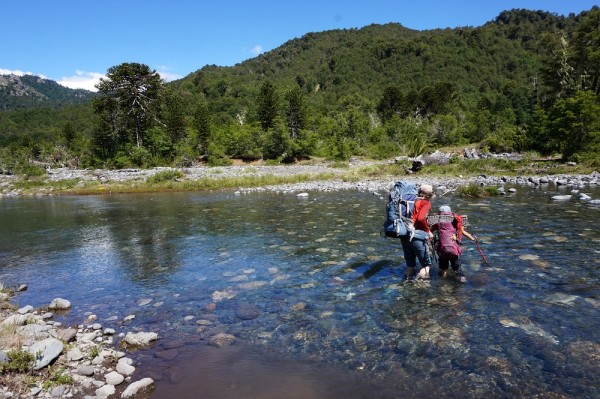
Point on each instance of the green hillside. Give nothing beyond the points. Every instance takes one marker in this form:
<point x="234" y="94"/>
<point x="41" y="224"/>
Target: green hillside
<point x="28" y="92"/>
<point x="525" y="81"/>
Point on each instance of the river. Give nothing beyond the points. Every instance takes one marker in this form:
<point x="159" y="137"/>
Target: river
<point x="313" y="293"/>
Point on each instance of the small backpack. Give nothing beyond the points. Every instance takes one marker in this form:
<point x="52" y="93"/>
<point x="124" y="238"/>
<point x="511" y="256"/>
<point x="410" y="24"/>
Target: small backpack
<point x="449" y="233"/>
<point x="399" y="210"/>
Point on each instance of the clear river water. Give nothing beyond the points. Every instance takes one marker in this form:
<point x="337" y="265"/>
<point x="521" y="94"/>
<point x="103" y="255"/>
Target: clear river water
<point x="314" y="294"/>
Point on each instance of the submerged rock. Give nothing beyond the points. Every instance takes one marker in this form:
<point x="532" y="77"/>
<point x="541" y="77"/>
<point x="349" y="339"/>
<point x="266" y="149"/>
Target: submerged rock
<point x="140" y="339"/>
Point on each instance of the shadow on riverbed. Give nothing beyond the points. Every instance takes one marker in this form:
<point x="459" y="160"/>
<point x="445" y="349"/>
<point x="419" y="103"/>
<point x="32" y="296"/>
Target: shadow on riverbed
<point x="239" y="371"/>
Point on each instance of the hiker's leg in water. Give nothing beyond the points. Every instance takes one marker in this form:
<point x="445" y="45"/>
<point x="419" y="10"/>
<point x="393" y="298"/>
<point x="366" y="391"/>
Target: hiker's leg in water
<point x="409" y="257"/>
<point x="456" y="266"/>
<point x="422" y="252"/>
<point x="444" y="265"/>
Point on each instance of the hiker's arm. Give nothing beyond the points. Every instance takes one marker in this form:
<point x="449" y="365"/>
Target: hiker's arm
<point x="468" y="235"/>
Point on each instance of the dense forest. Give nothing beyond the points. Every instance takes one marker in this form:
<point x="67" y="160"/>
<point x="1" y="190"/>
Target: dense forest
<point x="526" y="81"/>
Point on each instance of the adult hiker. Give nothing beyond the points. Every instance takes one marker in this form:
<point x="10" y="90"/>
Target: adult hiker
<point x="415" y="245"/>
<point x="449" y="230"/>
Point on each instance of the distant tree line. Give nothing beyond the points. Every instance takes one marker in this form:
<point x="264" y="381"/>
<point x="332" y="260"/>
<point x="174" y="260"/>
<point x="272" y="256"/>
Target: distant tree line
<point x="526" y="81"/>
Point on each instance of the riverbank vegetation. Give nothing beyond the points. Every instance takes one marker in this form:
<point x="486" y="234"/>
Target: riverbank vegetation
<point x="526" y="81"/>
<point x="179" y="179"/>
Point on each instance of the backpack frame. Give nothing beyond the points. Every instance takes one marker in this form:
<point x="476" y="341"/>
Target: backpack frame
<point x="399" y="210"/>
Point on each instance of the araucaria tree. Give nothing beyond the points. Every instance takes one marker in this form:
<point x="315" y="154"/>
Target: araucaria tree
<point x="128" y="104"/>
<point x="267" y="105"/>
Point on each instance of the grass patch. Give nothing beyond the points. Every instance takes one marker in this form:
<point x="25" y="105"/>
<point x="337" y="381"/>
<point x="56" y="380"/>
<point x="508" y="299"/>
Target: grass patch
<point x="95" y="351"/>
<point x="205" y="183"/>
<point x="477" y="191"/>
<point x="165" y="176"/>
<point x="18" y="360"/>
<point x="57" y="376"/>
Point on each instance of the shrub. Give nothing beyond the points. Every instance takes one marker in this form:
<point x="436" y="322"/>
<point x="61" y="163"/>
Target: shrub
<point x="18" y="360"/>
<point x="477" y="191"/>
<point x="167" y="175"/>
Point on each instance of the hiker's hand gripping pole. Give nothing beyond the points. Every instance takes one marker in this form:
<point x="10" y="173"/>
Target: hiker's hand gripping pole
<point x="480" y="251"/>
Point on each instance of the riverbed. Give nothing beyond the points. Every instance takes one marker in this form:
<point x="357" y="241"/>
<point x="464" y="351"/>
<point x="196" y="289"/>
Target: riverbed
<point x="312" y="294"/>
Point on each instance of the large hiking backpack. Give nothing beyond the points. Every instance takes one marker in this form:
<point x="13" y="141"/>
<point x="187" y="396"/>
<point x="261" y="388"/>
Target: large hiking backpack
<point x="449" y="233"/>
<point x="399" y="210"/>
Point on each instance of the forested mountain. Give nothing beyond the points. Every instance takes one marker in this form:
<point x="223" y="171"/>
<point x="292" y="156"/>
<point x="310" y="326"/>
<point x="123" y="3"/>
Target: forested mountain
<point x="26" y="92"/>
<point x="503" y="56"/>
<point x="527" y="80"/>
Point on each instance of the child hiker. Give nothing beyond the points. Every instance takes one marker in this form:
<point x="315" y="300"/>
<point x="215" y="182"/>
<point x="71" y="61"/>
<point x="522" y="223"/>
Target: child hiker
<point x="450" y="230"/>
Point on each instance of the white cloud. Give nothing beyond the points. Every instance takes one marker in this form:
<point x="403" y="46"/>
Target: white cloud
<point x="82" y="80"/>
<point x="166" y="75"/>
<point x="256" y="50"/>
<point x="19" y="73"/>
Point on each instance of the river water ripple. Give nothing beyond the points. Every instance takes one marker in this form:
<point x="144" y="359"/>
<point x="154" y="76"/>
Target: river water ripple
<point x="313" y="293"/>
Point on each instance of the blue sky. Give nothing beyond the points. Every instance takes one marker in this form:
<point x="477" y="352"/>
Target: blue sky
<point x="75" y="41"/>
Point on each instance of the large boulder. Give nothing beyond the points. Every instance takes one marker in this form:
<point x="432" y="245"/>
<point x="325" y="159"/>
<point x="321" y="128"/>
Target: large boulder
<point x="45" y="352"/>
<point x="143" y="386"/>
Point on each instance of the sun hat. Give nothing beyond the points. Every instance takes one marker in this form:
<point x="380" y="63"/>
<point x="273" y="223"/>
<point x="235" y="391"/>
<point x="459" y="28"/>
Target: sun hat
<point x="445" y="208"/>
<point x="426" y="189"/>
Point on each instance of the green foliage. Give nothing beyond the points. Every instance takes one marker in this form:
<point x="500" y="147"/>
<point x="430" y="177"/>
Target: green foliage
<point x="476" y="191"/>
<point x="57" y="376"/>
<point x="267" y="105"/>
<point x="167" y="175"/>
<point x="95" y="351"/>
<point x="127" y="105"/>
<point x="18" y="360"/>
<point x="512" y="84"/>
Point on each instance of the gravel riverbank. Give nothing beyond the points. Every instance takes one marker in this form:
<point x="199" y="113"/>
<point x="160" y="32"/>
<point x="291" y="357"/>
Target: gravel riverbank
<point x="336" y="178"/>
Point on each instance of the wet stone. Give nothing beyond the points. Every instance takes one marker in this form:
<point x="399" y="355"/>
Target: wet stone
<point x="247" y="311"/>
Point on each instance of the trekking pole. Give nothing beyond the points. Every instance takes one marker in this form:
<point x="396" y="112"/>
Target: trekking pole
<point x="480" y="251"/>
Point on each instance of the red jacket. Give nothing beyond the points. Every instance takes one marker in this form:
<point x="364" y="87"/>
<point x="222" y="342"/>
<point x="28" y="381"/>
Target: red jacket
<point x="422" y="207"/>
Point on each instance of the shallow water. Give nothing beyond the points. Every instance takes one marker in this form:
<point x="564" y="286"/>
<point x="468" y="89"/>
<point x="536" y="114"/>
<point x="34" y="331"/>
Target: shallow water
<point x="314" y="295"/>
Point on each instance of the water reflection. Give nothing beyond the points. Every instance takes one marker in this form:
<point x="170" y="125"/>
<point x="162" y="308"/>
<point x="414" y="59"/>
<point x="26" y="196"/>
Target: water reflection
<point x="313" y="293"/>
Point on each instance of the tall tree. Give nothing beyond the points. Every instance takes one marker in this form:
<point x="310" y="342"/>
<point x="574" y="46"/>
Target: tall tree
<point x="296" y="111"/>
<point x="267" y="105"/>
<point x="134" y="90"/>
<point x="586" y="43"/>
<point x="202" y="125"/>
<point x="173" y="115"/>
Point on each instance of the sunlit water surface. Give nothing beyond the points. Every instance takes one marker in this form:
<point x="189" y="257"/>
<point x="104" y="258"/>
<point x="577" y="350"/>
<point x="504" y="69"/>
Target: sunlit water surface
<point x="314" y="295"/>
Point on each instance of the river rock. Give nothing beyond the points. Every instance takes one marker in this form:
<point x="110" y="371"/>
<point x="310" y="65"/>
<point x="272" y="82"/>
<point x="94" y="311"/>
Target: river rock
<point x="25" y="309"/>
<point x="60" y="303"/>
<point x="86" y="370"/>
<point x="124" y="366"/>
<point x="75" y="354"/>
<point x="114" y="378"/>
<point x="561" y="197"/>
<point x="105" y="391"/>
<point x="222" y="339"/>
<point x="46" y="351"/>
<point x="143" y="386"/>
<point x="140" y="339"/>
<point x="16" y="320"/>
<point x="36" y="331"/>
<point x="247" y="312"/>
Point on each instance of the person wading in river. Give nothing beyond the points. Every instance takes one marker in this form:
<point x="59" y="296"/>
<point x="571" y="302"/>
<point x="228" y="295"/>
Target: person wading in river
<point x="449" y="231"/>
<point x="415" y="246"/>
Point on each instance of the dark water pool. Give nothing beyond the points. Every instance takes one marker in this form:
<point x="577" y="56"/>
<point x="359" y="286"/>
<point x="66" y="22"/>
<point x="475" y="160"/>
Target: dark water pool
<point x="313" y="293"/>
